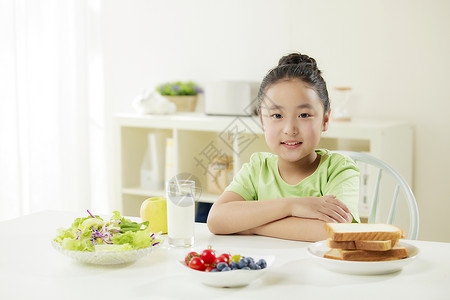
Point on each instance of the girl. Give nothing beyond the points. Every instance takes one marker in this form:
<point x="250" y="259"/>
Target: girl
<point x="290" y="194"/>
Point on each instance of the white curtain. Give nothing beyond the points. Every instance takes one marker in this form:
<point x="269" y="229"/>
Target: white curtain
<point x="52" y="153"/>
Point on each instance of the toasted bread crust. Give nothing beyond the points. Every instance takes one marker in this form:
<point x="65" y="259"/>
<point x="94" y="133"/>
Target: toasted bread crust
<point x="362" y="232"/>
<point x="376" y="245"/>
<point x="362" y="245"/>
<point x="398" y="252"/>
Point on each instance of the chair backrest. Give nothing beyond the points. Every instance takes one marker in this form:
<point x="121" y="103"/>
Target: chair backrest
<point x="400" y="185"/>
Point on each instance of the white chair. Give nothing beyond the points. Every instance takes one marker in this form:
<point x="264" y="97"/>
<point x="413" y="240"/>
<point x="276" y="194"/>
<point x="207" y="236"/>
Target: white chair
<point x="400" y="185"/>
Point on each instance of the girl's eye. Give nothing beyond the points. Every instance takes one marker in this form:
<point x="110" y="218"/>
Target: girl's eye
<point x="276" y="116"/>
<point x="303" y="116"/>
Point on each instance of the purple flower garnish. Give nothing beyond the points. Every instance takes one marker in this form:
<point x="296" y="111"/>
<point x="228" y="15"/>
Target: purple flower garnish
<point x="90" y="213"/>
<point x="102" y="234"/>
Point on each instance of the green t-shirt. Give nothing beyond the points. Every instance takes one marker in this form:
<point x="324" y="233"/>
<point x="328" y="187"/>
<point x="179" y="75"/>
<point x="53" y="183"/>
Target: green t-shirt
<point x="336" y="175"/>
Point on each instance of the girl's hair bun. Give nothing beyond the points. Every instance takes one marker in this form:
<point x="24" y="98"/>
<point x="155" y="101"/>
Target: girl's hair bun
<point x="296" y="66"/>
<point x="297" y="58"/>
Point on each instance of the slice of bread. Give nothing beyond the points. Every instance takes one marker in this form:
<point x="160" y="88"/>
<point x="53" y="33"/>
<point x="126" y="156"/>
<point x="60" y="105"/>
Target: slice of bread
<point x="398" y="252"/>
<point x="362" y="245"/>
<point x="363" y="232"/>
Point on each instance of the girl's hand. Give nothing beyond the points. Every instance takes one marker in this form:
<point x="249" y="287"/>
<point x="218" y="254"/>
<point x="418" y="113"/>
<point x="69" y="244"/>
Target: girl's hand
<point x="325" y="208"/>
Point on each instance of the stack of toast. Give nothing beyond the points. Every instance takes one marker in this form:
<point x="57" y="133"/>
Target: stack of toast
<point x="364" y="242"/>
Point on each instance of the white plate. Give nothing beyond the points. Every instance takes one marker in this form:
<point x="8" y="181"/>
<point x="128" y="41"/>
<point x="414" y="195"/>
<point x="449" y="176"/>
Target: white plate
<point x="233" y="278"/>
<point x="317" y="250"/>
<point x="104" y="257"/>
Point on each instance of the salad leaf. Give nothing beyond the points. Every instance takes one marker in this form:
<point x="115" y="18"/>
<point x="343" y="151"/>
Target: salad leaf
<point x="92" y="233"/>
<point x="96" y="222"/>
<point x="136" y="239"/>
<point x="77" y="245"/>
<point x="128" y="225"/>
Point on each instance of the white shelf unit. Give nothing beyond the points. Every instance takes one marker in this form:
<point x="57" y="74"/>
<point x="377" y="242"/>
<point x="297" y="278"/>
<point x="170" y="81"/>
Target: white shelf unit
<point x="195" y="134"/>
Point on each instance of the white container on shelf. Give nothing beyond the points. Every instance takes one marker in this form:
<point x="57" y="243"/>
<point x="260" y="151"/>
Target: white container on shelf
<point x="152" y="171"/>
<point x="233" y="98"/>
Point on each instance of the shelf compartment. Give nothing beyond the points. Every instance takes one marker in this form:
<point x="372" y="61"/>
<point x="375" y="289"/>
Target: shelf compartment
<point x="134" y="146"/>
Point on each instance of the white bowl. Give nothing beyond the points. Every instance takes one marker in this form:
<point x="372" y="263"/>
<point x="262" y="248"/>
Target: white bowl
<point x="233" y="278"/>
<point x="104" y="257"/>
<point x="317" y="250"/>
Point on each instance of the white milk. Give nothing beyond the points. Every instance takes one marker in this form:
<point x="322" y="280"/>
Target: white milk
<point x="180" y="220"/>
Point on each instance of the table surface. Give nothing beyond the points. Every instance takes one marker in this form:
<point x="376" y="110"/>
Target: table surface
<point x="29" y="267"/>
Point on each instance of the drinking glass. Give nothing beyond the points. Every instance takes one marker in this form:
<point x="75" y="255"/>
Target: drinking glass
<point x="180" y="212"/>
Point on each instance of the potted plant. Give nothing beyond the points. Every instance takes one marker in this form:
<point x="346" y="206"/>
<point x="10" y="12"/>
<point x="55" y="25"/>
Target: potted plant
<point x="183" y="94"/>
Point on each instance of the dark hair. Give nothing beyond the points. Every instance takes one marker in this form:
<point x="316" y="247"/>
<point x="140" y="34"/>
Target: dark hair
<point x="296" y="66"/>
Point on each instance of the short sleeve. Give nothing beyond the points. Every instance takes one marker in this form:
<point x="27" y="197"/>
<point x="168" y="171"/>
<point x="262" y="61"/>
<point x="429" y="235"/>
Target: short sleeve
<point x="344" y="182"/>
<point x="243" y="182"/>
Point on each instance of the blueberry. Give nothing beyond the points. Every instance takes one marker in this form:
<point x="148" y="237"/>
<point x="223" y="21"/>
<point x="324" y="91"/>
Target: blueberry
<point x="262" y="263"/>
<point x="252" y="266"/>
<point x="233" y="265"/>
<point x="226" y="269"/>
<point x="220" y="266"/>
<point x="245" y="268"/>
<point x="242" y="263"/>
<point x="215" y="270"/>
<point x="250" y="260"/>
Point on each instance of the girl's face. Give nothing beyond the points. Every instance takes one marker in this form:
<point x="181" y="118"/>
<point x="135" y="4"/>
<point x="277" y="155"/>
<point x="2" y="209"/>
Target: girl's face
<point x="293" y="119"/>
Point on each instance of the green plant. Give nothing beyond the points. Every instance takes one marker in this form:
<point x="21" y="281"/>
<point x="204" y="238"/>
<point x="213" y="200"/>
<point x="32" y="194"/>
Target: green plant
<point x="178" y="88"/>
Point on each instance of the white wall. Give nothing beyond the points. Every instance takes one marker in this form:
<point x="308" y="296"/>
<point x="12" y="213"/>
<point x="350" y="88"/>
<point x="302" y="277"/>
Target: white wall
<point x="393" y="53"/>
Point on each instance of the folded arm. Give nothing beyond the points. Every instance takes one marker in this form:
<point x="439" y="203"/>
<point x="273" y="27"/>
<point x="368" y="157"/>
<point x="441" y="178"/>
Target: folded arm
<point x="288" y="218"/>
<point x="292" y="228"/>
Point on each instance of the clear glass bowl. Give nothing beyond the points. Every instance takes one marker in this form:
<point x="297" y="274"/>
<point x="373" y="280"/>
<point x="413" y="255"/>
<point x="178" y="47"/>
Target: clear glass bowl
<point x="104" y="257"/>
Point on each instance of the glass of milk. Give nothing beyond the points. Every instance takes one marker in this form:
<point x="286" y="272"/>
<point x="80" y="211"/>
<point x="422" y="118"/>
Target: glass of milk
<point x="180" y="212"/>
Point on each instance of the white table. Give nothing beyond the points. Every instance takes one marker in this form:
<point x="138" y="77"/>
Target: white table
<point x="30" y="267"/>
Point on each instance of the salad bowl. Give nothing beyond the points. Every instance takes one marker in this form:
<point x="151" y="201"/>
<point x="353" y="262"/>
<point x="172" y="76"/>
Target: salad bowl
<point x="94" y="240"/>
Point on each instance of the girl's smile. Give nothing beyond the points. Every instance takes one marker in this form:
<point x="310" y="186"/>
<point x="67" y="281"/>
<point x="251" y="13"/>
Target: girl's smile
<point x="291" y="144"/>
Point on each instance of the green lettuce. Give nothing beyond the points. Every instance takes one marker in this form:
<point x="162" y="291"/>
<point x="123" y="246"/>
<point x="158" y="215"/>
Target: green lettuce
<point x="92" y="233"/>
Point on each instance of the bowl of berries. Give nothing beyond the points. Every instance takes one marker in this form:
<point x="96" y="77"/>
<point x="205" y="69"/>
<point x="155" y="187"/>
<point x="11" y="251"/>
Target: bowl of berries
<point x="225" y="269"/>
